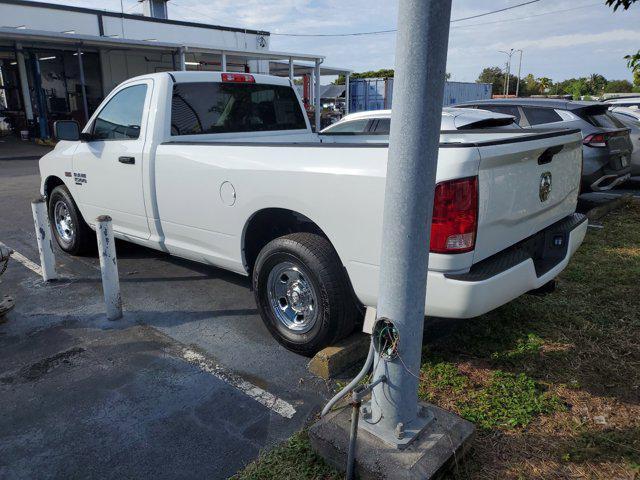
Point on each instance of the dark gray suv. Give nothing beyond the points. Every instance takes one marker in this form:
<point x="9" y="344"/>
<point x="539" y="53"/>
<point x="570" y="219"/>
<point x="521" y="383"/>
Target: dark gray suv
<point x="606" y="144"/>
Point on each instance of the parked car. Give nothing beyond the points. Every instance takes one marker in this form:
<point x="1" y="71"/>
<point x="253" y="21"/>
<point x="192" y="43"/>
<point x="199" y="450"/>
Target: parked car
<point x="374" y="125"/>
<point x="631" y="118"/>
<point x="632" y="102"/>
<point x="224" y="169"/>
<point x="606" y="144"/>
<point x="628" y="113"/>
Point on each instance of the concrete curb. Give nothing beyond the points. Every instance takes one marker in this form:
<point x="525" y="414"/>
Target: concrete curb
<point x="598" y="212"/>
<point x="336" y="359"/>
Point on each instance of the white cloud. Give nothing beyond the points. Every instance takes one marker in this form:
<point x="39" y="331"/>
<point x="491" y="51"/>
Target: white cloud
<point x="573" y="40"/>
<point x="556" y="44"/>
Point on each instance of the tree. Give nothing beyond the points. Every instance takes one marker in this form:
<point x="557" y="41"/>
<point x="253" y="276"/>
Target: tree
<point x="596" y="84"/>
<point x="495" y="76"/>
<point x="382" y="73"/>
<point x="530" y="86"/>
<point x="618" y="86"/>
<point x="545" y="84"/>
<point x="619" y="3"/>
<point x="633" y="60"/>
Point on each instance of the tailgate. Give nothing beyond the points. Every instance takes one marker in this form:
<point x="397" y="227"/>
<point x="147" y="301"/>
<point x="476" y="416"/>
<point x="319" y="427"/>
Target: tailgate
<point x="525" y="184"/>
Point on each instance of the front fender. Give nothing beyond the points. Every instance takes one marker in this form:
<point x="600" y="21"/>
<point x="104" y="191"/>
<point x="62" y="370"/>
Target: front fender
<point x="58" y="163"/>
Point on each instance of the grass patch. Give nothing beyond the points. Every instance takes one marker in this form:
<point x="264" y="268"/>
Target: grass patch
<point x="538" y="375"/>
<point x="531" y="344"/>
<point x="440" y="376"/>
<point x="503" y="400"/>
<point x="508" y="401"/>
<point x="606" y="445"/>
<point x="292" y="460"/>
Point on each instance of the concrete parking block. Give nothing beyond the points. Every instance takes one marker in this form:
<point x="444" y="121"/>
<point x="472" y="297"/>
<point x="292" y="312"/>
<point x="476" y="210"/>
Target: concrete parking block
<point x="336" y="359"/>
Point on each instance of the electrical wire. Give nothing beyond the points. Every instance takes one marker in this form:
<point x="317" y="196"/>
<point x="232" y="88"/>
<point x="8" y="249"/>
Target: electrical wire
<point x="589" y="5"/>
<point x="378" y="32"/>
<point x="495" y="11"/>
<point x="365" y="369"/>
<point x="375" y="32"/>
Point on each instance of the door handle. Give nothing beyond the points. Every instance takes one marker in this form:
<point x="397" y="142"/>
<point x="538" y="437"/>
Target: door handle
<point x="127" y="160"/>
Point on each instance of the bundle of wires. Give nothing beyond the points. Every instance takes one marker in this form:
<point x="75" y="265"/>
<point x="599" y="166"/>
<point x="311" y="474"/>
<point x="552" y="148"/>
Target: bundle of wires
<point x="386" y="339"/>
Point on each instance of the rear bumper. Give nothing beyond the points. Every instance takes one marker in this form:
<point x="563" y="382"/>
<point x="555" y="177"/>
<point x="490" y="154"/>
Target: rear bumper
<point x="506" y="275"/>
<point x="603" y="170"/>
<point x="607" y="182"/>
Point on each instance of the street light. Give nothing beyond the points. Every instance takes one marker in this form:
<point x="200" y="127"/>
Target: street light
<point x="519" y="67"/>
<point x="507" y="76"/>
<point x="508" y="71"/>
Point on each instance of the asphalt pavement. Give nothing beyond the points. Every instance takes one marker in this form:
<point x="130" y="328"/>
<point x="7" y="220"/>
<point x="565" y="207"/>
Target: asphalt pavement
<point x="189" y="384"/>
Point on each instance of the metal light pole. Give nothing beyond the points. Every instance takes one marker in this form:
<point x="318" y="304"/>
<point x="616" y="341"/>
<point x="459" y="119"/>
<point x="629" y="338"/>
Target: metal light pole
<point x="508" y="71"/>
<point x="519" y="68"/>
<point x="393" y="414"/>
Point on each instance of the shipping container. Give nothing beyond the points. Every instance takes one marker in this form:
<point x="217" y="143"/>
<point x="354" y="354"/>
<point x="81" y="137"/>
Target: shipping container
<point x="377" y="93"/>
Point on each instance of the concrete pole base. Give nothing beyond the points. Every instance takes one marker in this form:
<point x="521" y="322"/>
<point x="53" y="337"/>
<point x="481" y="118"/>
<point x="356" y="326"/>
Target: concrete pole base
<point x="398" y="439"/>
<point x="438" y="448"/>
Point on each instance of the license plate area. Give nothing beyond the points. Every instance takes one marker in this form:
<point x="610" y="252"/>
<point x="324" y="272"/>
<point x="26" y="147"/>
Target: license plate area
<point x="546" y="249"/>
<point x="624" y="161"/>
<point x="551" y="247"/>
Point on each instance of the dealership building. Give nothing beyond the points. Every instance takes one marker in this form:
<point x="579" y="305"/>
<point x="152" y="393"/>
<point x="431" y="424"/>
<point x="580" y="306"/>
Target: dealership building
<point x="59" y="62"/>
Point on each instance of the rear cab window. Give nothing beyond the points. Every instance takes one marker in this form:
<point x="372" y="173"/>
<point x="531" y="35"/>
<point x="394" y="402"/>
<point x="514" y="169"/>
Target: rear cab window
<point x="200" y="108"/>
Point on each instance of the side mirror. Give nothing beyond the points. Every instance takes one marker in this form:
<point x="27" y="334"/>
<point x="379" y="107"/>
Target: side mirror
<point x="66" y="130"/>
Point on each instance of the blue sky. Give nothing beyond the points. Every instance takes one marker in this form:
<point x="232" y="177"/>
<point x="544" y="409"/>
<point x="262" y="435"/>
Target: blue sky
<point x="560" y="38"/>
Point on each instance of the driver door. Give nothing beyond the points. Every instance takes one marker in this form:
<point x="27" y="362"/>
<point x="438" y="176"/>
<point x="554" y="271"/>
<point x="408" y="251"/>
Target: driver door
<point x="108" y="163"/>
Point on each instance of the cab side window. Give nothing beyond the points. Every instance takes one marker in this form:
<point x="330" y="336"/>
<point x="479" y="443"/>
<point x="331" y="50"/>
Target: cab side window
<point x="121" y="117"/>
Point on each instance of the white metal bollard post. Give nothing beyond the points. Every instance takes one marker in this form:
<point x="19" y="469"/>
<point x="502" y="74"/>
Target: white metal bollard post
<point x="109" y="267"/>
<point x="43" y="236"/>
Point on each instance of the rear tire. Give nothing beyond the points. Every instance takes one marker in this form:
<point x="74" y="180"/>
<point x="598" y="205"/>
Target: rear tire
<point x="302" y="292"/>
<point x="69" y="228"/>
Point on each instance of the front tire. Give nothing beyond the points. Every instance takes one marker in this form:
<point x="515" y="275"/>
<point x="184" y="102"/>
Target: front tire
<point x="302" y="292"/>
<point x="69" y="228"/>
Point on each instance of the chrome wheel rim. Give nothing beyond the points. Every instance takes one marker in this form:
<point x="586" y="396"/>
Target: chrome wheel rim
<point x="292" y="297"/>
<point x="63" y="222"/>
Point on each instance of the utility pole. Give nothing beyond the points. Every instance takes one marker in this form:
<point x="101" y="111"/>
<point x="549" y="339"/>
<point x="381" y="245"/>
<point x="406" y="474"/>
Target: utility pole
<point x="507" y="70"/>
<point x="506" y="77"/>
<point x="519" y="67"/>
<point x="393" y="415"/>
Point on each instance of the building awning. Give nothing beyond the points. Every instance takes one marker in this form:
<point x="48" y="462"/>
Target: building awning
<point x="28" y="37"/>
<point x="280" y="68"/>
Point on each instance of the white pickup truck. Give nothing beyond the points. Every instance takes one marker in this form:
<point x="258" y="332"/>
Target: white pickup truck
<point x="224" y="169"/>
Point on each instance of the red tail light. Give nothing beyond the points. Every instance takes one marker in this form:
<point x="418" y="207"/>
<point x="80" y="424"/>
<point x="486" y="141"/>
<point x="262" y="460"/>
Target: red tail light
<point x="598" y="140"/>
<point x="238" y="78"/>
<point x="455" y="216"/>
